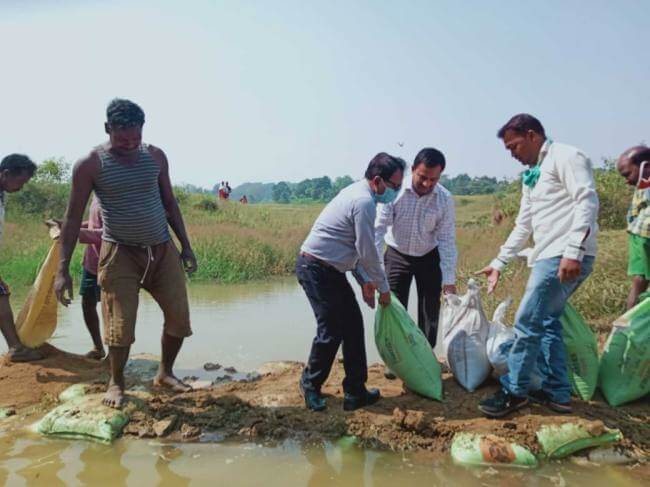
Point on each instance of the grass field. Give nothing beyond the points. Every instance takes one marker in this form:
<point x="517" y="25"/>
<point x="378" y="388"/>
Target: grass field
<point x="241" y="242"/>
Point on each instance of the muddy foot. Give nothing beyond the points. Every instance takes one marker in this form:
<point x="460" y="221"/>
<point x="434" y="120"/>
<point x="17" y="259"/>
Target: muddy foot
<point x="95" y="354"/>
<point x="114" y="397"/>
<point x="172" y="383"/>
<point x="24" y="354"/>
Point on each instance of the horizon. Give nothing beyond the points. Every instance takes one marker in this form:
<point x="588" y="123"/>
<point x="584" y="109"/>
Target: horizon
<point x="252" y="92"/>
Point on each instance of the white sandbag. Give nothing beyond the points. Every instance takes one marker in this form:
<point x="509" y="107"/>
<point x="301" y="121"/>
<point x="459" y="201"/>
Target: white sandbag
<point x="465" y="331"/>
<point x="499" y="336"/>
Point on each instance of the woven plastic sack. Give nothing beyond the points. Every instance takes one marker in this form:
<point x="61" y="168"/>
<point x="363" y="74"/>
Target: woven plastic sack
<point x="36" y="321"/>
<point x="625" y="364"/>
<point x="490" y="451"/>
<point x="84" y="418"/>
<point x="581" y="353"/>
<point x="559" y="441"/>
<point x="465" y="333"/>
<point x="500" y="337"/>
<point x="406" y="351"/>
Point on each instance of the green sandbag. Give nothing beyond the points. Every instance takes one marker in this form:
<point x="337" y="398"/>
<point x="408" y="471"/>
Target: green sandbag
<point x="625" y="364"/>
<point x="406" y="351"/>
<point x="84" y="418"/>
<point x="73" y="392"/>
<point x="581" y="353"/>
<point x="490" y="450"/>
<point x="559" y="441"/>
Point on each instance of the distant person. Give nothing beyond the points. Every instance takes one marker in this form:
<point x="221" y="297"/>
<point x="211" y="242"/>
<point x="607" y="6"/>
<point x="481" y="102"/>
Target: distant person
<point x="419" y="230"/>
<point x="131" y="180"/>
<point x="559" y="209"/>
<point x="90" y="292"/>
<point x="634" y="166"/>
<point x="243" y="200"/>
<point x="222" y="191"/>
<point x="343" y="239"/>
<point x="228" y="190"/>
<point x="15" y="171"/>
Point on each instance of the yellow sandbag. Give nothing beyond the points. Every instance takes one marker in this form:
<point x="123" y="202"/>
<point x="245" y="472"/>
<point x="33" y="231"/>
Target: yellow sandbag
<point x="36" y="321"/>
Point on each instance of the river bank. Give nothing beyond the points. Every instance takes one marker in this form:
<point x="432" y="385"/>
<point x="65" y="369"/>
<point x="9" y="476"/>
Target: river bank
<point x="267" y="407"/>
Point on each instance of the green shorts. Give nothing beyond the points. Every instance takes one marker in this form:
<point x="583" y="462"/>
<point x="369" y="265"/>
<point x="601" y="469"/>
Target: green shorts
<point x="638" y="256"/>
<point x="89" y="286"/>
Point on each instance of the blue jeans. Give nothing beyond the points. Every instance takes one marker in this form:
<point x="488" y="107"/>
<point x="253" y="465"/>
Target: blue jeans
<point x="539" y="332"/>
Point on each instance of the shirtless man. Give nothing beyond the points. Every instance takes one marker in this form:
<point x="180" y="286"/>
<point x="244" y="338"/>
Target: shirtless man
<point x="131" y="181"/>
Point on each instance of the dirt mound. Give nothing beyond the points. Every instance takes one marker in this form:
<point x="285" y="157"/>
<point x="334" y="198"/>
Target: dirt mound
<point x="271" y="408"/>
<point x="26" y="384"/>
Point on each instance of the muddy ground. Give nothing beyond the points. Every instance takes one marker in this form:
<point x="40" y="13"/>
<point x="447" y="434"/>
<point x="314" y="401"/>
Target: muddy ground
<point x="270" y="408"/>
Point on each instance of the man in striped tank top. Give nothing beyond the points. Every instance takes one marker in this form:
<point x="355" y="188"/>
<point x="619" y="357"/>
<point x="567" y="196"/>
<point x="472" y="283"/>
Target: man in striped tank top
<point x="131" y="181"/>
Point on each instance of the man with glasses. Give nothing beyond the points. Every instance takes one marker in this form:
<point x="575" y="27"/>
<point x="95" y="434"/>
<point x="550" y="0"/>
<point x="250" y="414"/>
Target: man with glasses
<point x="419" y="230"/>
<point x="343" y="239"/>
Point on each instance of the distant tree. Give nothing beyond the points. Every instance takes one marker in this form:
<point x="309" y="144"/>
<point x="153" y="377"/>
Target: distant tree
<point x="53" y="171"/>
<point x="340" y="183"/>
<point x="281" y="192"/>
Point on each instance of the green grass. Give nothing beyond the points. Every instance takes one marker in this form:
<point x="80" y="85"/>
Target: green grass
<point x="240" y="242"/>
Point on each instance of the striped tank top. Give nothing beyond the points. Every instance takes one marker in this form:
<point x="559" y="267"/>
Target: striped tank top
<point x="129" y="196"/>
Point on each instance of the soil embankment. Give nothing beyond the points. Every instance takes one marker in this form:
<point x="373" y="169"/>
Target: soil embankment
<point x="270" y="408"/>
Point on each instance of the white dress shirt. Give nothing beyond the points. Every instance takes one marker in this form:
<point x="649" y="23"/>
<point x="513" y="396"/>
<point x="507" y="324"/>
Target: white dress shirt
<point x="560" y="212"/>
<point x="415" y="225"/>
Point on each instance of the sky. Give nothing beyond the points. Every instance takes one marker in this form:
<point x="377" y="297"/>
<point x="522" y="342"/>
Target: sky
<point x="277" y="90"/>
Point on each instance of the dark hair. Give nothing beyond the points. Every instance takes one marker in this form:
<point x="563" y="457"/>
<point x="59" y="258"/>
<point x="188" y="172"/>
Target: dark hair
<point x="384" y="165"/>
<point x="123" y="114"/>
<point x="639" y="154"/>
<point x="522" y="123"/>
<point x="17" y="165"/>
<point x="431" y="158"/>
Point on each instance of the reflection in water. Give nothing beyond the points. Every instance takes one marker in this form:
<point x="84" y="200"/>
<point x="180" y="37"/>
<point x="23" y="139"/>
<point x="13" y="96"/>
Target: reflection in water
<point x="108" y="457"/>
<point x="168" y="478"/>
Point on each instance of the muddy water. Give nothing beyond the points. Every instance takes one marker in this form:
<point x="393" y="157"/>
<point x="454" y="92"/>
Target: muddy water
<point x="244" y="326"/>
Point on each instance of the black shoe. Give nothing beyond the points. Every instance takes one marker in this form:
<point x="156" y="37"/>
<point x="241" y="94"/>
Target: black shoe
<point x="501" y="404"/>
<point x="541" y="397"/>
<point x="356" y="401"/>
<point x="313" y="400"/>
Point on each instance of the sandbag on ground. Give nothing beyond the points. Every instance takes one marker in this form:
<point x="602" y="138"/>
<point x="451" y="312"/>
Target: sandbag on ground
<point x="36" y="321"/>
<point x="625" y="364"/>
<point x="490" y="450"/>
<point x="84" y="417"/>
<point x="500" y="337"/>
<point x="581" y="352"/>
<point x="406" y="351"/>
<point x="559" y="441"/>
<point x="465" y="333"/>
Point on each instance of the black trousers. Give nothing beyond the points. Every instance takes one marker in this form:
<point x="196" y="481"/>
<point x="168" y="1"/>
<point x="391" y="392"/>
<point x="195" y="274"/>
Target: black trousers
<point x="338" y="320"/>
<point x="400" y="270"/>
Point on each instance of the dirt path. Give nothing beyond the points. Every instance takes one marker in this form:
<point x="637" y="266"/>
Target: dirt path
<point x="271" y="408"/>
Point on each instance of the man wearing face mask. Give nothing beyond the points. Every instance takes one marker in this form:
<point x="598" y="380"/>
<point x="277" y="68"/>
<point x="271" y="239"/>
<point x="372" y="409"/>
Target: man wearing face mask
<point x="420" y="236"/>
<point x="559" y="209"/>
<point x="343" y="239"/>
<point x="634" y="166"/>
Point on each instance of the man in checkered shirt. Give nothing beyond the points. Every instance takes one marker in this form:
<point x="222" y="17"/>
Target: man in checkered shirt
<point x="634" y="166"/>
<point x="419" y="230"/>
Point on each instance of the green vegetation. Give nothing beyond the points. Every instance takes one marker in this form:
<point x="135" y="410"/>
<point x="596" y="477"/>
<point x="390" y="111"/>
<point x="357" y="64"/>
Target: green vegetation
<point x="235" y="242"/>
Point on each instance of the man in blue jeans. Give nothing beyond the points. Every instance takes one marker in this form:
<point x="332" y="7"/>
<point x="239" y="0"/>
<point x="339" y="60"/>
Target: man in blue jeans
<point x="559" y="208"/>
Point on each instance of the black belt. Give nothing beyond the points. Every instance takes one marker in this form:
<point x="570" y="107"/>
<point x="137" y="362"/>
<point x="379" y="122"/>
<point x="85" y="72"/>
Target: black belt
<point x="317" y="260"/>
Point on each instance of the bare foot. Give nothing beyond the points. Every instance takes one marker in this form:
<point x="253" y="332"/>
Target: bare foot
<point x="96" y="354"/>
<point x="171" y="382"/>
<point x="114" y="397"/>
<point x="22" y="353"/>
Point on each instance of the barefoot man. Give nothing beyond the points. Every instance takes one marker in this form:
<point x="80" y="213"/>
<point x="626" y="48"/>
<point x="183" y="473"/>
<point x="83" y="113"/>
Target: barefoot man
<point x="131" y="180"/>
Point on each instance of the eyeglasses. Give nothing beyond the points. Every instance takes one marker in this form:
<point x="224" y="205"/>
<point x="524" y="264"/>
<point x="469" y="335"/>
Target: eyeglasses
<point x="391" y="184"/>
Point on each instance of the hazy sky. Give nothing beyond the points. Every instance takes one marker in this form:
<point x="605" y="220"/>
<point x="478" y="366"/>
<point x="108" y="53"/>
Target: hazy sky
<point x="284" y="90"/>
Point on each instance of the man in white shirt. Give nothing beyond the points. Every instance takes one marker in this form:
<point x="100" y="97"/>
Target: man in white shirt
<point x="15" y="171"/>
<point x="559" y="209"/>
<point x="419" y="229"/>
